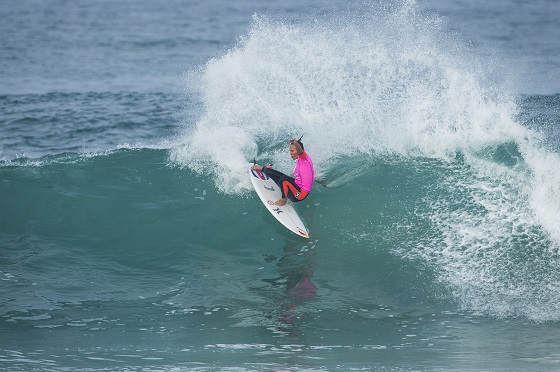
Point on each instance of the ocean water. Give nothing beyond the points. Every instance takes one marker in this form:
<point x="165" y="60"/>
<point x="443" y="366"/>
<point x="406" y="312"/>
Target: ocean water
<point x="130" y="237"/>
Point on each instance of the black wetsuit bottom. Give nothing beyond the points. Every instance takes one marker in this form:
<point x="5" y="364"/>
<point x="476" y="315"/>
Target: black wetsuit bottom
<point x="287" y="185"/>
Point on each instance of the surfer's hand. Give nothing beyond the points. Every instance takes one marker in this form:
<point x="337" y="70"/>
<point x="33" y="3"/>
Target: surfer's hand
<point x="256" y="167"/>
<point x="280" y="202"/>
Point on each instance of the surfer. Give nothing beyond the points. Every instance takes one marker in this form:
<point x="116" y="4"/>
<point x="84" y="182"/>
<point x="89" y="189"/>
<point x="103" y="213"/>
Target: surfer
<point x="295" y="188"/>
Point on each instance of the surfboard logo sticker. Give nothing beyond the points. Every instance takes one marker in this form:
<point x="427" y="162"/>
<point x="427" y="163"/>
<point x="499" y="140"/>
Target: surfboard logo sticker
<point x="270" y="202"/>
<point x="302" y="233"/>
<point x="260" y="175"/>
<point x="269" y="188"/>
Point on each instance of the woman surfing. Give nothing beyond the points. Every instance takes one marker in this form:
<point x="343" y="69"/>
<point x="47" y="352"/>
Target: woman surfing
<point x="295" y="188"/>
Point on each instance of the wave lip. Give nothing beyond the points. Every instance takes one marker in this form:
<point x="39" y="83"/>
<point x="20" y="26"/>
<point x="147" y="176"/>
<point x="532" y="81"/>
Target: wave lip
<point x="386" y="81"/>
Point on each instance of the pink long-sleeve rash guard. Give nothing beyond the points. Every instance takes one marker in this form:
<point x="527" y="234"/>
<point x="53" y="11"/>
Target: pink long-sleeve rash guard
<point x="304" y="173"/>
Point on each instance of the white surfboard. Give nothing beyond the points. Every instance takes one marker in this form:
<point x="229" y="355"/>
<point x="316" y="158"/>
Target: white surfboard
<point x="269" y="192"/>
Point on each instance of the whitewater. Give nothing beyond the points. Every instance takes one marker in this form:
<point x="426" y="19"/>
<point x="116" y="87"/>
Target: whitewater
<point x="360" y="100"/>
<point x="131" y="237"/>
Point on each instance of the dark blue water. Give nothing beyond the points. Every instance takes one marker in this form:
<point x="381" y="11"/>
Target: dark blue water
<point x="131" y="239"/>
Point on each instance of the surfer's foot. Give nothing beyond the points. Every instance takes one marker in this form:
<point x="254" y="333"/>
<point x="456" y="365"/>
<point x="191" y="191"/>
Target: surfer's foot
<point x="256" y="167"/>
<point x="280" y="202"/>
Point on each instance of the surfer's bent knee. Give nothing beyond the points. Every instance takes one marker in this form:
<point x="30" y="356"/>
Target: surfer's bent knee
<point x="293" y="191"/>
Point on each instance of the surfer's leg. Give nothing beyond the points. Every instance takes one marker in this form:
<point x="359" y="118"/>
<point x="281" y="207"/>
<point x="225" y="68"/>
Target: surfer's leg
<point x="291" y="190"/>
<point x="274" y="175"/>
<point x="288" y="187"/>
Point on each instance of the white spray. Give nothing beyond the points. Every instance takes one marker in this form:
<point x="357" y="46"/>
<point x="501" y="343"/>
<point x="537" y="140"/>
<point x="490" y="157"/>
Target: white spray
<point x="388" y="82"/>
